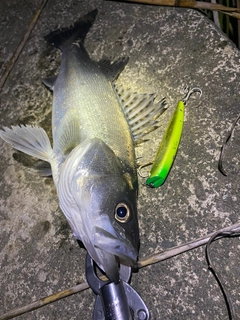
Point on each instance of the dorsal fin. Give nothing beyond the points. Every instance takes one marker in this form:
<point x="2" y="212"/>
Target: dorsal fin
<point x="141" y="111"/>
<point x="112" y="69"/>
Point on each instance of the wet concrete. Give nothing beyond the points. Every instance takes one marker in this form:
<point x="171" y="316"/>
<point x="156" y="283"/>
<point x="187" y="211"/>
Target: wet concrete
<point x="168" y="48"/>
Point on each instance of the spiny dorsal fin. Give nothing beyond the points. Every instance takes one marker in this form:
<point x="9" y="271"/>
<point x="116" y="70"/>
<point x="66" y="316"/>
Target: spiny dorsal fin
<point x="78" y="31"/>
<point x="70" y="137"/>
<point x="141" y="111"/>
<point x="112" y="69"/>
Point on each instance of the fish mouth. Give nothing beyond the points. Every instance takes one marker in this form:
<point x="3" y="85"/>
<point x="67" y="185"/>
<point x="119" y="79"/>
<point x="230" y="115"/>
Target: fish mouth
<point x="119" y="247"/>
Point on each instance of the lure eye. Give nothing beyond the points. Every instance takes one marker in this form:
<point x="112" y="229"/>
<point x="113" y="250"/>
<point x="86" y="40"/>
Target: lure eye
<point x="122" y="213"/>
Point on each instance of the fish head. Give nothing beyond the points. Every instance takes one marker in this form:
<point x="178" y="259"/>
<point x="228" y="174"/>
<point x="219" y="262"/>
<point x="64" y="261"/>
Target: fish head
<point x="99" y="199"/>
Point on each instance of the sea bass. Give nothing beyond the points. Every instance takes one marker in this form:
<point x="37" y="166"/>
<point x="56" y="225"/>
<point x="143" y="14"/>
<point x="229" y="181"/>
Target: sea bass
<point x="95" y="126"/>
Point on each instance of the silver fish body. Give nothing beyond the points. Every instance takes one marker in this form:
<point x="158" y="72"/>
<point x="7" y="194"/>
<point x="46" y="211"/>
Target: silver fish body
<point x="96" y="160"/>
<point x="92" y="161"/>
<point x="84" y="100"/>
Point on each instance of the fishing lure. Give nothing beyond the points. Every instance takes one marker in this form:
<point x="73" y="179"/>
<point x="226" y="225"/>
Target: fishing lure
<point x="169" y="144"/>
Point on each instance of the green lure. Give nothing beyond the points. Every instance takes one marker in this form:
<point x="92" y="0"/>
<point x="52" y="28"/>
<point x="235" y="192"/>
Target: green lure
<point x="169" y="145"/>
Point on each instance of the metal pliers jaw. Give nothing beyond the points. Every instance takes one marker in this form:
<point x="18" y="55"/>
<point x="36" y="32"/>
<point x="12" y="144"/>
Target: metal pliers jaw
<point x="115" y="301"/>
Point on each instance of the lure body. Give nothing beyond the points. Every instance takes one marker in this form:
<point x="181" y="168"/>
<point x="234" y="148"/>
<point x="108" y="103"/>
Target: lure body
<point x="168" y="148"/>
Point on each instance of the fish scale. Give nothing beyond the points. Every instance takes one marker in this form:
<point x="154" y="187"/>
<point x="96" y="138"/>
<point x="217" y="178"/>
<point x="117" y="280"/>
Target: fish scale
<point x="87" y="94"/>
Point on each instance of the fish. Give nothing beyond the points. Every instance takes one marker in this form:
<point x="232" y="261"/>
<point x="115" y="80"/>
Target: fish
<point x="95" y="128"/>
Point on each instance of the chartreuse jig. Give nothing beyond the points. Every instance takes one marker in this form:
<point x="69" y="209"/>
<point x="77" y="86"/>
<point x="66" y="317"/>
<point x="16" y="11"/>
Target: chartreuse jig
<point x="169" y="144"/>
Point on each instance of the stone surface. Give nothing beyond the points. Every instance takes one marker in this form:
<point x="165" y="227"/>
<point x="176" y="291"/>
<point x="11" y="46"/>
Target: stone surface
<point x="168" y="48"/>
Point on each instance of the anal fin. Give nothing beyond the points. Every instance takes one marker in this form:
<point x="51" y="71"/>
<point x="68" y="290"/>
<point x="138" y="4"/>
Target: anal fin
<point x="49" y="82"/>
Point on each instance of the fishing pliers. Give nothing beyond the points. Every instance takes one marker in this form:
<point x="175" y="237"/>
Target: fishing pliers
<point x="115" y="301"/>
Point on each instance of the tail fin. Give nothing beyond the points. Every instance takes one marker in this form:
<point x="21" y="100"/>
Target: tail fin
<point x="78" y="31"/>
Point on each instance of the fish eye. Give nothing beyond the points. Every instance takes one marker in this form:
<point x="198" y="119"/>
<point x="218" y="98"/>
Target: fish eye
<point x="122" y="213"/>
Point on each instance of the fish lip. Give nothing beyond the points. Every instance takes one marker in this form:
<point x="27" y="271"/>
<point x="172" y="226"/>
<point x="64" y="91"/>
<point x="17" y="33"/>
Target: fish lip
<point x="114" y="245"/>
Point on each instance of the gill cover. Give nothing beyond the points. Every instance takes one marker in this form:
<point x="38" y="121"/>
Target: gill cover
<point x="99" y="202"/>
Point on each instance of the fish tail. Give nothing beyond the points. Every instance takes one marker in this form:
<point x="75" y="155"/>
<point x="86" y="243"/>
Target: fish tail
<point x="77" y="32"/>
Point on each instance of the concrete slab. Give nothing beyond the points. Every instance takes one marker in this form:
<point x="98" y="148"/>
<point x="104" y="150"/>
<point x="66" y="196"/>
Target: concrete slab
<point x="168" y="49"/>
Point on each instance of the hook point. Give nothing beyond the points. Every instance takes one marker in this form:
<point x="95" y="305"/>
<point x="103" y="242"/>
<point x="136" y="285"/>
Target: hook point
<point x="190" y="92"/>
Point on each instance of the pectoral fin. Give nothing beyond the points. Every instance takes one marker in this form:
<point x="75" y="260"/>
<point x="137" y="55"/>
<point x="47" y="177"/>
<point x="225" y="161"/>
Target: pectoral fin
<point x="70" y="137"/>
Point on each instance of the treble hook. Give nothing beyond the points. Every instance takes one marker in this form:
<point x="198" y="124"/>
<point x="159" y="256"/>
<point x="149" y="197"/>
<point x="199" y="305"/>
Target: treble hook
<point x="139" y="170"/>
<point x="189" y="93"/>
